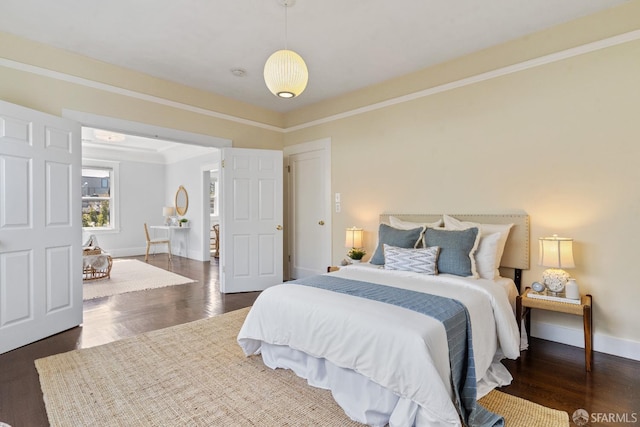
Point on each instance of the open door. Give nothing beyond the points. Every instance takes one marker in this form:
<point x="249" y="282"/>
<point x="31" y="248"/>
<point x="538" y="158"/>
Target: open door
<point x="40" y="226"/>
<point x="251" y="219"/>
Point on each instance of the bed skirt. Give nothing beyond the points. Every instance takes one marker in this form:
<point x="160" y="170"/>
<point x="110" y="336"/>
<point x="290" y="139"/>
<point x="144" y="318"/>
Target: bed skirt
<point x="361" y="399"/>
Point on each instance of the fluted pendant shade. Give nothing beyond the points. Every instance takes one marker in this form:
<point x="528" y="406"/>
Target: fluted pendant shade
<point x="286" y="74"/>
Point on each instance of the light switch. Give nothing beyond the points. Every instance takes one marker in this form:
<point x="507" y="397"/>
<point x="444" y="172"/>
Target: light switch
<point x="337" y="197"/>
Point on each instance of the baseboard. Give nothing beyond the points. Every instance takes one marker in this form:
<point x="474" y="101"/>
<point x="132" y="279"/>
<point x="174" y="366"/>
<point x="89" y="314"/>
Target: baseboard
<point x="126" y="252"/>
<point x="575" y="337"/>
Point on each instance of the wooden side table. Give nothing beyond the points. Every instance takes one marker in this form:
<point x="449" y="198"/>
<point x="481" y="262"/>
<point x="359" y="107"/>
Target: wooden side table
<point x="524" y="304"/>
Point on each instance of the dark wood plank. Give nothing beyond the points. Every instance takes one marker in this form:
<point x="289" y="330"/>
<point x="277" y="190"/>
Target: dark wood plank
<point x="550" y="374"/>
<point x="109" y="319"/>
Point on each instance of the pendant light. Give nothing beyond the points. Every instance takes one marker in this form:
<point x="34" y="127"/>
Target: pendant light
<point x="285" y="72"/>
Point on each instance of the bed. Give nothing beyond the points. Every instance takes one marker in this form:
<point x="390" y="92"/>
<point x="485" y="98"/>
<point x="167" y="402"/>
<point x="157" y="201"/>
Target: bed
<point x="363" y="331"/>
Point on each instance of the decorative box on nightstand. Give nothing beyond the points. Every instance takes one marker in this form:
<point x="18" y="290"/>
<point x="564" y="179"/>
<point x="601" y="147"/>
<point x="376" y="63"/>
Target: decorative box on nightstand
<point x="529" y="299"/>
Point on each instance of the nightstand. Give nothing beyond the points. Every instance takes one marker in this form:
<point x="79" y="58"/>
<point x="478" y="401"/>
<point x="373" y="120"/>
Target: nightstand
<point x="524" y="304"/>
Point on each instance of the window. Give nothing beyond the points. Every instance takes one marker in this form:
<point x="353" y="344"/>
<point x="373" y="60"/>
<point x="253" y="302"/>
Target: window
<point x="99" y="195"/>
<point x="213" y="194"/>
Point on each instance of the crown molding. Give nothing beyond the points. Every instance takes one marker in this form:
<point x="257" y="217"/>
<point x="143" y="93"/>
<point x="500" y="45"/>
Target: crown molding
<point x="130" y="93"/>
<point x="503" y="71"/>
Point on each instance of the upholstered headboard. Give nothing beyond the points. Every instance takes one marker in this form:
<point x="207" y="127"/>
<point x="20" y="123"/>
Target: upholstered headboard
<point x="516" y="251"/>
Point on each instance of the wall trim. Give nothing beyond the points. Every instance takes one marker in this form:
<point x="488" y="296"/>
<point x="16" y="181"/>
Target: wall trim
<point x="503" y="71"/>
<point x="510" y="69"/>
<point x="130" y="93"/>
<point x="575" y="337"/>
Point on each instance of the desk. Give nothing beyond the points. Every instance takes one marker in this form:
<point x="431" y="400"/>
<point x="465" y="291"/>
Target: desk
<point x="171" y="229"/>
<point x="524" y="304"/>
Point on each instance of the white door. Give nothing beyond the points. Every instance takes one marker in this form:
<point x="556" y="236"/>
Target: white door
<point x="309" y="208"/>
<point x="40" y="226"/>
<point x="251" y="219"/>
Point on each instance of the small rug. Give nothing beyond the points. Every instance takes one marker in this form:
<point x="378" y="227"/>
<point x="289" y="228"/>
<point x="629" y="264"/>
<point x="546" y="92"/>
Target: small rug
<point x="196" y="374"/>
<point x="129" y="275"/>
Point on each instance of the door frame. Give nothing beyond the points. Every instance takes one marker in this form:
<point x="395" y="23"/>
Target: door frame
<point x="155" y="132"/>
<point x="146" y="130"/>
<point x="205" y="171"/>
<point x="323" y="145"/>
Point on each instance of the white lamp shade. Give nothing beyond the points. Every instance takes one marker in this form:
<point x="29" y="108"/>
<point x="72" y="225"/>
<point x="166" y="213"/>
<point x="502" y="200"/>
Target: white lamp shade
<point x="168" y="211"/>
<point x="556" y="252"/>
<point x="286" y="74"/>
<point x="354" y="238"/>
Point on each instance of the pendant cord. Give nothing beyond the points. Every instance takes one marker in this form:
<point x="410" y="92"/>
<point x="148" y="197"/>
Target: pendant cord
<point x="286" y="28"/>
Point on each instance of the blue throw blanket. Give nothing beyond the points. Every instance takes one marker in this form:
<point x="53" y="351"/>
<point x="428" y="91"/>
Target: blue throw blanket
<point x="455" y="318"/>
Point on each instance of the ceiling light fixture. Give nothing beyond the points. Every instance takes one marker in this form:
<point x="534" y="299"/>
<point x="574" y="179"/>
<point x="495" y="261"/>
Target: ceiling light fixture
<point x="105" y="135"/>
<point x="285" y="72"/>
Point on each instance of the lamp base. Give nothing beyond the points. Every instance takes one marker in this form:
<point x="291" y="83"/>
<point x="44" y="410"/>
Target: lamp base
<point x="555" y="280"/>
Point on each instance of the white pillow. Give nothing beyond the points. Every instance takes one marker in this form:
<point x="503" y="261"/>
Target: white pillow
<point x="491" y="260"/>
<point x="485" y="256"/>
<point x="422" y="260"/>
<point x="408" y="225"/>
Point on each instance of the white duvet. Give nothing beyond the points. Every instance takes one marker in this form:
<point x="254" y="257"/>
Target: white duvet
<point x="403" y="352"/>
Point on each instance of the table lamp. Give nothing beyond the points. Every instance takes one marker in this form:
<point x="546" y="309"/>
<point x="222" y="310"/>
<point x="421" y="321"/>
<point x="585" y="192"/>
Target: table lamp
<point x="167" y="213"/>
<point x="353" y="240"/>
<point x="556" y="253"/>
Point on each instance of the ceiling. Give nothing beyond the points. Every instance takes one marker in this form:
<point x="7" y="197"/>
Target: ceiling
<point x="347" y="45"/>
<point x="104" y="143"/>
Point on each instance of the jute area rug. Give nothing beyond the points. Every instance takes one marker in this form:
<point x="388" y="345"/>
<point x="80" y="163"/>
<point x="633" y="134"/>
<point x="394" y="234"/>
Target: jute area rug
<point x="195" y="374"/>
<point x="129" y="275"/>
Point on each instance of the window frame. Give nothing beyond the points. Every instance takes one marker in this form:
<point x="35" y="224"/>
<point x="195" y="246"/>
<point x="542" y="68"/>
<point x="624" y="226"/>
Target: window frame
<point x="114" y="193"/>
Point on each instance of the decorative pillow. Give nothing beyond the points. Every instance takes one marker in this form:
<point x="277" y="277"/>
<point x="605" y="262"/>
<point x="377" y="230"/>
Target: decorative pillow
<point x="451" y="223"/>
<point x="486" y="256"/>
<point x="457" y="250"/>
<point x="421" y="260"/>
<point x="394" y="237"/>
<point x="408" y="225"/>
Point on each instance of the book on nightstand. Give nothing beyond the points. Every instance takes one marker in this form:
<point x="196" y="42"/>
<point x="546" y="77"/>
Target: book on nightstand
<point x="536" y="295"/>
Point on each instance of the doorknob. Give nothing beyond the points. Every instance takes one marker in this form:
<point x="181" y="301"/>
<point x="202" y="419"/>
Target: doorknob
<point x="279" y="227"/>
<point x="321" y="222"/>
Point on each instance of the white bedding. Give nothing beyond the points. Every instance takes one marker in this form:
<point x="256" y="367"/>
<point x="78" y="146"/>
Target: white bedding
<point x="323" y="335"/>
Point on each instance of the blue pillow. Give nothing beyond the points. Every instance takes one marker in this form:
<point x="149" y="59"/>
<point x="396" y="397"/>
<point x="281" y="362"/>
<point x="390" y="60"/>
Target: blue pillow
<point x="457" y="248"/>
<point x="394" y="237"/>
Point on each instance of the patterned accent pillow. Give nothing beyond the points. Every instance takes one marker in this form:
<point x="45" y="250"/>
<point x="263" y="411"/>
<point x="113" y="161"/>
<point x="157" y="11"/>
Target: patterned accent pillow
<point x="422" y="260"/>
<point x="457" y="250"/>
<point x="489" y="255"/>
<point x="395" y="237"/>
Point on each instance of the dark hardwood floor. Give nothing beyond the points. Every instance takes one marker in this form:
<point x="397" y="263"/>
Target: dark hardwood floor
<point x="548" y="373"/>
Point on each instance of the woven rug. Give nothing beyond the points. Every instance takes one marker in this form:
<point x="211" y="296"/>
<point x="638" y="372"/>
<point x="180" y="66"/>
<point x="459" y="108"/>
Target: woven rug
<point x="196" y="374"/>
<point x="129" y="275"/>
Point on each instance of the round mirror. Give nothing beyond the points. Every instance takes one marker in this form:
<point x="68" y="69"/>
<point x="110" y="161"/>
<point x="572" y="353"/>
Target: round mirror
<point x="182" y="201"/>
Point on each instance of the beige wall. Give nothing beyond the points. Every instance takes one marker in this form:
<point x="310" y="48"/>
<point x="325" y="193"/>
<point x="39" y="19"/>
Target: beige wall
<point x="123" y="95"/>
<point x="560" y="141"/>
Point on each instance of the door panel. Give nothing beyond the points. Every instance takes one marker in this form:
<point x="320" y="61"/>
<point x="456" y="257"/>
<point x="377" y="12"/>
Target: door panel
<point x="40" y="226"/>
<point x="14" y="200"/>
<point x="59" y="278"/>
<point x="251" y="219"/>
<point x="15" y="301"/>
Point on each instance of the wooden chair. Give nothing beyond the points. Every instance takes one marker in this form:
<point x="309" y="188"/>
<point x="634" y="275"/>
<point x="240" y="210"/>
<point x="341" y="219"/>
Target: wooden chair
<point x="215" y="240"/>
<point x="158" y="241"/>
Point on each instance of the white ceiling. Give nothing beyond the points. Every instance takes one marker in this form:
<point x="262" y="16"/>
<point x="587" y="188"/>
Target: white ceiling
<point x="347" y="44"/>
<point x="137" y="148"/>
